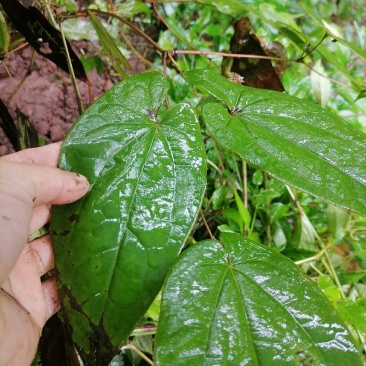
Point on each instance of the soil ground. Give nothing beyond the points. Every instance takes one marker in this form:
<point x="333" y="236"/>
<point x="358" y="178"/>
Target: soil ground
<point x="47" y="96"/>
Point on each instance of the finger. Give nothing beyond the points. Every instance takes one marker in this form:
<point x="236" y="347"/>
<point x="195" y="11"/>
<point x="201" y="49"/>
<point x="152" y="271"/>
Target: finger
<point x="41" y="184"/>
<point x="41" y="216"/>
<point x="41" y="248"/>
<point x="45" y="155"/>
<point x="51" y="295"/>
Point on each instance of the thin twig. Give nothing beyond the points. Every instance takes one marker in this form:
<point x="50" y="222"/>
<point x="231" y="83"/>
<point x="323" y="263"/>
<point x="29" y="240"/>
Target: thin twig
<point x="175" y="64"/>
<point x="144" y="331"/>
<point x="24" y="78"/>
<point x="134" y="51"/>
<point x="268" y="209"/>
<point x="326" y="76"/>
<point x="313" y="258"/>
<point x="301" y="59"/>
<point x="23" y="45"/>
<point x="141" y="354"/>
<point x="215" y="167"/>
<point x="206" y="225"/>
<point x="133" y="26"/>
<point x="71" y="70"/>
<point x="245" y="183"/>
<point x="226" y="54"/>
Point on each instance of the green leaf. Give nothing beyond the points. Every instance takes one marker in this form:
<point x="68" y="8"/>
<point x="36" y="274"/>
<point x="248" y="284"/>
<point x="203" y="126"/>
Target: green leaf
<point x="241" y="303"/>
<point x="330" y="290"/>
<point x="295" y="141"/>
<point x="294" y="34"/>
<point x="348" y="278"/>
<point x="324" y="281"/>
<point x="278" y="210"/>
<point x="147" y="177"/>
<point x="109" y="46"/>
<point x="218" y="197"/>
<point x="234" y="219"/>
<point x="257" y="178"/>
<point x="358" y="50"/>
<point x="243" y="211"/>
<point x="340" y="66"/>
<point x="336" y="219"/>
<point x="353" y="313"/>
<point x="231" y="7"/>
<point x="4" y="36"/>
<point x="307" y="238"/>
<point x="27" y="134"/>
<point x="320" y="85"/>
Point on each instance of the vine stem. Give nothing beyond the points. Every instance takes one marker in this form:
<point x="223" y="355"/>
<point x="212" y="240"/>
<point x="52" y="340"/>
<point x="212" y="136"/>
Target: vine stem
<point x="225" y="54"/>
<point x="24" y="78"/>
<point x="206" y="225"/>
<point x="141" y="354"/>
<point x="71" y="70"/>
<point x="133" y="26"/>
<point x="245" y="183"/>
<point x="325" y="76"/>
<point x="144" y="331"/>
<point x="268" y="210"/>
<point x="313" y="258"/>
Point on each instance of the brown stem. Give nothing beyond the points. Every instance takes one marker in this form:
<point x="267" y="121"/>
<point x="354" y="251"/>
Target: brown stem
<point x="224" y="54"/>
<point x="206" y="225"/>
<point x="29" y="71"/>
<point x="133" y="26"/>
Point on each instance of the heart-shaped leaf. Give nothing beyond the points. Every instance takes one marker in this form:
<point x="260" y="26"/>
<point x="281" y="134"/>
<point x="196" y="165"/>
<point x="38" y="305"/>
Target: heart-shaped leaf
<point x="293" y="140"/>
<point x="241" y="303"/>
<point x="147" y="178"/>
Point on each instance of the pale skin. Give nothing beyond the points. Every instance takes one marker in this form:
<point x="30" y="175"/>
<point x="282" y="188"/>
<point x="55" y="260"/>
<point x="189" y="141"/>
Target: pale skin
<point x="29" y="184"/>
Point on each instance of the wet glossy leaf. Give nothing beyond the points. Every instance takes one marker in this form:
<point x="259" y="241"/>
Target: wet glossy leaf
<point x="293" y="140"/>
<point x="113" y="248"/>
<point x="241" y="303"/>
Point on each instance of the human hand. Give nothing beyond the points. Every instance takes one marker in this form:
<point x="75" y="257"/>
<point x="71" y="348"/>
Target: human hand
<point x="29" y="184"/>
